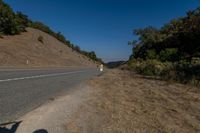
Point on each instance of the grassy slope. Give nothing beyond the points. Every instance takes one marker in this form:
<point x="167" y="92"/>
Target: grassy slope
<point x="16" y="50"/>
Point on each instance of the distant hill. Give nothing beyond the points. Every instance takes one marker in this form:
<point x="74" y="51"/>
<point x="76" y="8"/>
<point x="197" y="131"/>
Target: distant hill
<point x="115" y="64"/>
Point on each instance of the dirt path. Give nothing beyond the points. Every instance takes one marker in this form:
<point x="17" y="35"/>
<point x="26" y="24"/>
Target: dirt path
<point x="120" y="102"/>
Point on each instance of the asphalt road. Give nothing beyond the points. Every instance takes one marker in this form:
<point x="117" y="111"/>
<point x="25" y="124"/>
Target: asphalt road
<point x="23" y="90"/>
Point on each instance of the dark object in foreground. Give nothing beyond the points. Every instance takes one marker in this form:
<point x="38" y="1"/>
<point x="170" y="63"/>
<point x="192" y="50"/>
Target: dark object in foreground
<point x="41" y="131"/>
<point x="13" y="129"/>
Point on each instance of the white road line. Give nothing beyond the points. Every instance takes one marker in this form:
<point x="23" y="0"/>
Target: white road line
<point x="37" y="68"/>
<point x="41" y="76"/>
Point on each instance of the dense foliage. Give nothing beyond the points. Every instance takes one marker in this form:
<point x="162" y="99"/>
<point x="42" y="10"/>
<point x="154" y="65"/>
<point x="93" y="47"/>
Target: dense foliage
<point x="8" y="20"/>
<point x="174" y="48"/>
<point x="14" y="23"/>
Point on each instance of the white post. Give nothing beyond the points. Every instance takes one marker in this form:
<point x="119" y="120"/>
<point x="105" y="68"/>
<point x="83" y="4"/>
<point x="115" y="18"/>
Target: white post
<point x="27" y="62"/>
<point x="101" y="68"/>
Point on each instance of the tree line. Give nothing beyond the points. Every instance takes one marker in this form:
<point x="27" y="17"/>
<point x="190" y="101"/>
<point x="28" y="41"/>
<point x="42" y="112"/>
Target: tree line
<point x="175" y="45"/>
<point x="12" y="23"/>
<point x="176" y="40"/>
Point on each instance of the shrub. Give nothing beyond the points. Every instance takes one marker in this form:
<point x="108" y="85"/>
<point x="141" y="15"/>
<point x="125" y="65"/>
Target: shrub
<point x="188" y="70"/>
<point x="1" y="35"/>
<point x="184" y="71"/>
<point x="151" y="54"/>
<point x="149" y="67"/>
<point x="169" y="54"/>
<point x="8" y="20"/>
<point x="41" y="39"/>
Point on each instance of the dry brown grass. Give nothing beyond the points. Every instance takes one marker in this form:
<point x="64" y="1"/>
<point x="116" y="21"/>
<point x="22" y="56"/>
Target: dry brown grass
<point x="125" y="103"/>
<point x="16" y="50"/>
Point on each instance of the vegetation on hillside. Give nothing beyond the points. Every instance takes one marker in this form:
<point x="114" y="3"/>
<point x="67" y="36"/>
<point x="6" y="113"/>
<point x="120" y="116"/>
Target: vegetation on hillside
<point x="115" y="64"/>
<point x="12" y="23"/>
<point x="9" y="21"/>
<point x="171" y="52"/>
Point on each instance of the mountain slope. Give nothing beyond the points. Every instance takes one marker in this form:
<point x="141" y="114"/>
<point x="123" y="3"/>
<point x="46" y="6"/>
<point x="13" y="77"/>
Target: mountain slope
<point x="16" y="50"/>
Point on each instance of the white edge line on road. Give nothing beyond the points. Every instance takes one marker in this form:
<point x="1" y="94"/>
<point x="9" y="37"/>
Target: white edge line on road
<point x="41" y="76"/>
<point x="37" y="68"/>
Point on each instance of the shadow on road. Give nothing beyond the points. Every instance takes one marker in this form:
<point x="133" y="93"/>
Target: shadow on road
<point x="41" y="131"/>
<point x="13" y="129"/>
<point x="14" y="126"/>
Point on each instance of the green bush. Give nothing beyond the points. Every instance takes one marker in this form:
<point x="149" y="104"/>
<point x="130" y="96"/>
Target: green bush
<point x="188" y="70"/>
<point x="184" y="71"/>
<point x="151" y="54"/>
<point x="169" y="54"/>
<point x="1" y="35"/>
<point x="149" y="67"/>
<point x="8" y="23"/>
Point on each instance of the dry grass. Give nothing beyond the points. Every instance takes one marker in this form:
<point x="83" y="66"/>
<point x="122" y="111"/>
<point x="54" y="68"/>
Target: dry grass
<point x="16" y="50"/>
<point x="123" y="103"/>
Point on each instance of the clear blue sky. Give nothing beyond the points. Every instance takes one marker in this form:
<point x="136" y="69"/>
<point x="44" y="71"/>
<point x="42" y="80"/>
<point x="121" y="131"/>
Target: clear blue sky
<point x="104" y="26"/>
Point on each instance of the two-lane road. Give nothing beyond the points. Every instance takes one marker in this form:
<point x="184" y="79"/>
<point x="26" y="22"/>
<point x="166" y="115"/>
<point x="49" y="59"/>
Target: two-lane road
<point x="23" y="90"/>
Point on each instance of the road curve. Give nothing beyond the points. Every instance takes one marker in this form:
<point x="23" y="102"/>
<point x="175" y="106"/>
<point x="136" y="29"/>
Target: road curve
<point x="23" y="90"/>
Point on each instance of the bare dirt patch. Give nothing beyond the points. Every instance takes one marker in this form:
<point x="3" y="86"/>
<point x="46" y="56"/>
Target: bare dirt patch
<point x="121" y="102"/>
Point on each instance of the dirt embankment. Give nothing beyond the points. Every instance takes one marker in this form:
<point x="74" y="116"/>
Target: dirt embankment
<point x="26" y="50"/>
<point x="125" y="103"/>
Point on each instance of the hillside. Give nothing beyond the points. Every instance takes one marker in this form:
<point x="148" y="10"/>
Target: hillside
<point x="16" y="50"/>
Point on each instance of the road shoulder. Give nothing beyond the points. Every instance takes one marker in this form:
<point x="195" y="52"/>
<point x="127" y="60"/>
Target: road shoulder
<point x="119" y="101"/>
<point x="53" y="116"/>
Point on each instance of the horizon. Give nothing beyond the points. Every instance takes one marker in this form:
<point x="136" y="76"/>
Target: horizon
<point x="103" y="26"/>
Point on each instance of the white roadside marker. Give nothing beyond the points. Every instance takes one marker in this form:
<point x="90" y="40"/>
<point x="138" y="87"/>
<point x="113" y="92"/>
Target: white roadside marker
<point x="101" y="68"/>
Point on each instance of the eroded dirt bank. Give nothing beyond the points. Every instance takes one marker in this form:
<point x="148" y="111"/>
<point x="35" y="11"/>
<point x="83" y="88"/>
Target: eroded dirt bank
<point x="120" y="102"/>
